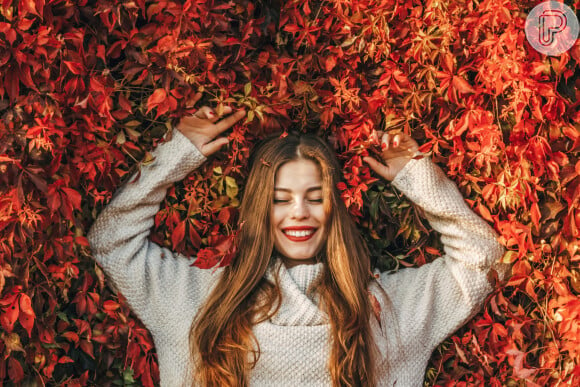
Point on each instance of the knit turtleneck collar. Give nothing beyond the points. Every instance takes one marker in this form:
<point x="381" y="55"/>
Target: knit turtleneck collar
<point x="300" y="298"/>
<point x="306" y="276"/>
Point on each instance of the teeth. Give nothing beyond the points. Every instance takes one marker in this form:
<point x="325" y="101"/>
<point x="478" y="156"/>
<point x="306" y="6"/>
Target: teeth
<point x="299" y="233"/>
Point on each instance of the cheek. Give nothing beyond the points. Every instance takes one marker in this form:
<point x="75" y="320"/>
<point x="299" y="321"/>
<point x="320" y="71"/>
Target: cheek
<point x="320" y="215"/>
<point x="276" y="216"/>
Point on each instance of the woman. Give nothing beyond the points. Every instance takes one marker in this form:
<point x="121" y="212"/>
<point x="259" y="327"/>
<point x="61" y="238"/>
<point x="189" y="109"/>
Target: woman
<point x="298" y="305"/>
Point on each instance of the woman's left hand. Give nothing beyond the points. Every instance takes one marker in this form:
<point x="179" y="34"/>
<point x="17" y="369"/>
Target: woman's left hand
<point x="396" y="151"/>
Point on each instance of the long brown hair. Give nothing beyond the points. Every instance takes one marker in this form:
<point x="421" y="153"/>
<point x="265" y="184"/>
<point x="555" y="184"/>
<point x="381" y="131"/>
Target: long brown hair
<point x="221" y="336"/>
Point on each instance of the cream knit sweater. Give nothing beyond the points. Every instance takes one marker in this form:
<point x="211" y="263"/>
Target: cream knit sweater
<point x="420" y="306"/>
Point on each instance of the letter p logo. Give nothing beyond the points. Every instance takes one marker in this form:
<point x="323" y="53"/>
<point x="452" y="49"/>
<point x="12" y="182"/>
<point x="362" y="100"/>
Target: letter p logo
<point x="552" y="28"/>
<point x="551" y="22"/>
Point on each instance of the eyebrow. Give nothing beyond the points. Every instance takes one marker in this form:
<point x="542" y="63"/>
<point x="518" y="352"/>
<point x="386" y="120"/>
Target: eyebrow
<point x="317" y="188"/>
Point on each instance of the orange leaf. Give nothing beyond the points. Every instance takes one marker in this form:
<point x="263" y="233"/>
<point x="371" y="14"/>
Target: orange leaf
<point x="158" y="96"/>
<point x="27" y="315"/>
<point x="484" y="212"/>
<point x="461" y="85"/>
<point x="110" y="305"/>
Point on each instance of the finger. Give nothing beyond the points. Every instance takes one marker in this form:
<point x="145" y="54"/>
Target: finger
<point x="393" y="150"/>
<point x="376" y="135"/>
<point x="385" y="141"/>
<point x="214" y="146"/>
<point x="408" y="143"/>
<point x="380" y="168"/>
<point x="229" y="121"/>
<point x="226" y="110"/>
<point x="396" y="140"/>
<point x="206" y="113"/>
<point x="194" y="100"/>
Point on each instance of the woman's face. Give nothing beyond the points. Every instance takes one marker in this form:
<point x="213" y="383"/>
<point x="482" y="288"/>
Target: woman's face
<point x="297" y="213"/>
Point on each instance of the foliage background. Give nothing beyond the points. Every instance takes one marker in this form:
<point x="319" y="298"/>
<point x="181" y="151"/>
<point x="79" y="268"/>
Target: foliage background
<point x="89" y="88"/>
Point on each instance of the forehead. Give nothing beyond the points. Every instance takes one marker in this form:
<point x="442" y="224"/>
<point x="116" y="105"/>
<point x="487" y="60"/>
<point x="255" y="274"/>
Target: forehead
<point x="298" y="174"/>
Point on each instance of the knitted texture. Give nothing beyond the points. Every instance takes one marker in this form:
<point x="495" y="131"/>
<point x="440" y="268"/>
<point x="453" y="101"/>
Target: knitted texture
<point x="420" y="307"/>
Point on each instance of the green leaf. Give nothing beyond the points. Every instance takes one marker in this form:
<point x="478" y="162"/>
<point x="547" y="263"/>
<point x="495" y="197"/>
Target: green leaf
<point x="128" y="376"/>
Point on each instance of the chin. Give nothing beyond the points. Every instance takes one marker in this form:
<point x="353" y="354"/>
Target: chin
<point x="299" y="255"/>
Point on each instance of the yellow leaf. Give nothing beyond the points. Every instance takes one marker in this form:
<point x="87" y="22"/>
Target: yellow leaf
<point x="231" y="187"/>
<point x="509" y="257"/>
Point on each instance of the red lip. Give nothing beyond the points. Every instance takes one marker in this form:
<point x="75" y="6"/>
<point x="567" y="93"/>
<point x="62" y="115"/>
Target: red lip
<point x="299" y="228"/>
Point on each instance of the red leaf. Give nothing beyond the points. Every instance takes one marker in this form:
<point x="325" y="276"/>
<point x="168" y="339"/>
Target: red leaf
<point x="224" y="215"/>
<point x="536" y="215"/>
<point x="65" y="359"/>
<point x="207" y="258"/>
<point x="178" y="234"/>
<point x="461" y="85"/>
<point x="54" y="200"/>
<point x="74" y="67"/>
<point x="376" y="307"/>
<point x="82" y="241"/>
<point x="225" y="244"/>
<point x="29" y="6"/>
<point x="9" y="316"/>
<point x="12" y="85"/>
<point x="124" y="103"/>
<point x="71" y="336"/>
<point x="87" y="348"/>
<point x="15" y="371"/>
<point x="4" y="159"/>
<point x="74" y="197"/>
<point x="46" y="335"/>
<point x="330" y="63"/>
<point x="519" y="364"/>
<point x="194" y="237"/>
<point x="293" y="28"/>
<point x="110" y="305"/>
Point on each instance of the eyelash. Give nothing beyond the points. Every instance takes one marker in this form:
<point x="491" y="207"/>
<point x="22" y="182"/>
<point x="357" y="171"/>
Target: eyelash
<point x="276" y="201"/>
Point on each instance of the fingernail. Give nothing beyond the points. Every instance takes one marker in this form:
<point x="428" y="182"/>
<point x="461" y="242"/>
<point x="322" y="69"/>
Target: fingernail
<point x="396" y="143"/>
<point x="211" y="114"/>
<point x="383" y="146"/>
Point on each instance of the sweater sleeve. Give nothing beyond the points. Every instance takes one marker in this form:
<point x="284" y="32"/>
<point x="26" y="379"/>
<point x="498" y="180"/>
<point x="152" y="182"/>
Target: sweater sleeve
<point x="156" y="282"/>
<point x="434" y="300"/>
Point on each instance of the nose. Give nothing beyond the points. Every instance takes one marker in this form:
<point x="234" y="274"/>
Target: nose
<point x="300" y="210"/>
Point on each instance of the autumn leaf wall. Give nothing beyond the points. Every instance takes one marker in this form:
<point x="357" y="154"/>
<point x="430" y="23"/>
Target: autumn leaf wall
<point x="89" y="88"/>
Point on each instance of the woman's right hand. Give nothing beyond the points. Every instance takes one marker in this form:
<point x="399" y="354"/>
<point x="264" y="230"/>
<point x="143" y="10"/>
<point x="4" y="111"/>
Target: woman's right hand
<point x="205" y="125"/>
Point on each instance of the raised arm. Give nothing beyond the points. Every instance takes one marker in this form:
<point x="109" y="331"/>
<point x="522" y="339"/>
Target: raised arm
<point x="433" y="301"/>
<point x="156" y="282"/>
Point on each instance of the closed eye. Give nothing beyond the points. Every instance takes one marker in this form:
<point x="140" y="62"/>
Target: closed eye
<point x="287" y="201"/>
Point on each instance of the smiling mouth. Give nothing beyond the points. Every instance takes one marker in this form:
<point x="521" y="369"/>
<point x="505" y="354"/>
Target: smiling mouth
<point x="299" y="235"/>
